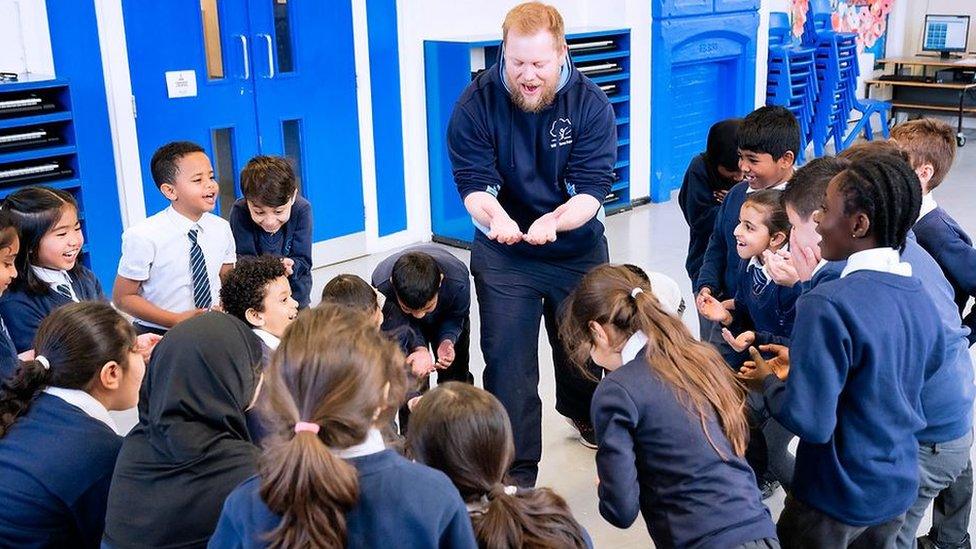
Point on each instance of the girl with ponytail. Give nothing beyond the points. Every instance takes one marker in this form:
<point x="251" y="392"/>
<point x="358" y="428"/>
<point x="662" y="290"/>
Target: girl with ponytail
<point x="58" y="443"/>
<point x="325" y="478"/>
<point x="669" y="418"/>
<point x="465" y="432"/>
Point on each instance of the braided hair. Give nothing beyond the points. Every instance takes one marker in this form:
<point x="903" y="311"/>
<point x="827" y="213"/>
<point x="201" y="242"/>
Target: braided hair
<point x="884" y="187"/>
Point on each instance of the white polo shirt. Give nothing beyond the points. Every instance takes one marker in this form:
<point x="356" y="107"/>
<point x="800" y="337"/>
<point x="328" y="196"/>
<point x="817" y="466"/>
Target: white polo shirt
<point x="156" y="252"/>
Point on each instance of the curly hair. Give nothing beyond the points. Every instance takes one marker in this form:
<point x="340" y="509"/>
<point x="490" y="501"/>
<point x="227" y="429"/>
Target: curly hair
<point x="246" y="286"/>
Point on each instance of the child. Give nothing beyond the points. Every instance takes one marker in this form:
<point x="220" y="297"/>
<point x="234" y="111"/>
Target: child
<point x="191" y="446"/>
<point x="51" y="273"/>
<point x="861" y="348"/>
<point x="465" y="432"/>
<point x="58" y="443"/>
<point x="351" y="291"/>
<point x="759" y="303"/>
<point x="257" y="292"/>
<point x="669" y="419"/>
<point x="768" y="140"/>
<point x="708" y="179"/>
<point x="273" y="219"/>
<point x="428" y="295"/>
<point x="172" y="262"/>
<point x="327" y="479"/>
<point x="931" y="145"/>
<point x="9" y="246"/>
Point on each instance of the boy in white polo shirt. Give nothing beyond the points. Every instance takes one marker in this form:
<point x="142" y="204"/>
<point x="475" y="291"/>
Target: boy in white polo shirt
<point x="172" y="262"/>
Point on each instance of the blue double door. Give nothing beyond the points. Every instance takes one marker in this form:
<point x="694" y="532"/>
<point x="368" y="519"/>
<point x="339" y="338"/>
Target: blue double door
<point x="248" y="77"/>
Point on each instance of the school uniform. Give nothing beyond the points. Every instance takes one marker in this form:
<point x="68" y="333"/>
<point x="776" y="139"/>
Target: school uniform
<point x="191" y="445"/>
<point x="761" y="304"/>
<point x="293" y="240"/>
<point x="654" y="457"/>
<point x="23" y="311"/>
<point x="825" y="271"/>
<point x="157" y="252"/>
<point x="401" y="502"/>
<point x="856" y="348"/>
<point x="532" y="163"/>
<point x="953" y="250"/>
<point x="699" y="208"/>
<point x="8" y="353"/>
<point x="56" y="464"/>
<point x="256" y="424"/>
<point x="449" y="321"/>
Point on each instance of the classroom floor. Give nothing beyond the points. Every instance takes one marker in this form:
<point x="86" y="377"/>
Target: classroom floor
<point x="655" y="237"/>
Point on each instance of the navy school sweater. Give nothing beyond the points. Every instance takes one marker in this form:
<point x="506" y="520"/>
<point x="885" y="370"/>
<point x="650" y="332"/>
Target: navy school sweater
<point x="56" y="465"/>
<point x="453" y="299"/>
<point x="720" y="266"/>
<point x="23" y="311"/>
<point x="771" y="310"/>
<point x="654" y="457"/>
<point x="401" y="503"/>
<point x="953" y="250"/>
<point x="534" y="162"/>
<point x="699" y="208"/>
<point x="853" y="396"/>
<point x="293" y="240"/>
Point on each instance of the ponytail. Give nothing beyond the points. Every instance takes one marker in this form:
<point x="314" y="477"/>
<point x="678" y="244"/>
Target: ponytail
<point x="325" y="389"/>
<point x="533" y="519"/>
<point x="72" y="344"/>
<point x="612" y="295"/>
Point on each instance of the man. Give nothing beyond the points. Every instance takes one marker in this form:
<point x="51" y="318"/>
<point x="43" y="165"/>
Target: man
<point x="532" y="143"/>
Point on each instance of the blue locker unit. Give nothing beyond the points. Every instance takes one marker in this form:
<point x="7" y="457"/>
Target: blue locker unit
<point x="703" y="70"/>
<point x="66" y="142"/>
<point x="450" y="65"/>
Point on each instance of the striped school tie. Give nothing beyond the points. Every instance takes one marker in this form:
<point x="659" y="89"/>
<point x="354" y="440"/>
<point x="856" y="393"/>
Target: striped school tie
<point x="64" y="290"/>
<point x="198" y="273"/>
<point x="759" y="280"/>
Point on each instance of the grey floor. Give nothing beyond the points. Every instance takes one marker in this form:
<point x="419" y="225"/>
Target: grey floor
<point x="655" y="237"/>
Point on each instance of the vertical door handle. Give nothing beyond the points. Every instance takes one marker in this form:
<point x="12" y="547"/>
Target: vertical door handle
<point x="267" y="39"/>
<point x="247" y="62"/>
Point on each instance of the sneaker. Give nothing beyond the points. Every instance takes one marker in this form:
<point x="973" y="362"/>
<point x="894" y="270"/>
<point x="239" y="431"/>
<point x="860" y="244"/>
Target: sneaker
<point x="768" y="488"/>
<point x="587" y="436"/>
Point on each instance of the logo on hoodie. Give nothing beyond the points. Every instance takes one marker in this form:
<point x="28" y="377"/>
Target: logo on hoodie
<point x="561" y="132"/>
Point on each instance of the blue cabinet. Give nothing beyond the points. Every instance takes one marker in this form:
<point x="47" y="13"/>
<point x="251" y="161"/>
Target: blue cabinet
<point x="703" y="70"/>
<point x="450" y="65"/>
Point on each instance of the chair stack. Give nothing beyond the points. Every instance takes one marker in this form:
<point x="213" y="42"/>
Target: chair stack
<point x="791" y="80"/>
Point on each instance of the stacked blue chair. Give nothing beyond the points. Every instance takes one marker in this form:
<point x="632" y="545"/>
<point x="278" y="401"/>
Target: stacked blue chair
<point x="837" y="72"/>
<point x="791" y="80"/>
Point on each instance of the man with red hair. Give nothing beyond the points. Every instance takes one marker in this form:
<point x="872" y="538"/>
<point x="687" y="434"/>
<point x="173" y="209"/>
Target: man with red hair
<point x="532" y="144"/>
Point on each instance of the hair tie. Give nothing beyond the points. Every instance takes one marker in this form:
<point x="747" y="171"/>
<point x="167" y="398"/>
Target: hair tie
<point x="306" y="426"/>
<point x="43" y="361"/>
<point x="635" y="291"/>
<point x="511" y="490"/>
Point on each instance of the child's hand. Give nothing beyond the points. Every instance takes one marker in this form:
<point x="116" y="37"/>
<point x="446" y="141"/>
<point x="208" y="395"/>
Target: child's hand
<point x="445" y="354"/>
<point x="145" y="344"/>
<point x="720" y="195"/>
<point x="754" y="372"/>
<point x="700" y="298"/>
<point x="186" y="315"/>
<point x="805" y="261"/>
<point x="420" y="362"/>
<point x="542" y="231"/>
<point x="780" y="268"/>
<point x="779" y="363"/>
<point x="741" y="342"/>
<point x="714" y="310"/>
<point x="289" y="264"/>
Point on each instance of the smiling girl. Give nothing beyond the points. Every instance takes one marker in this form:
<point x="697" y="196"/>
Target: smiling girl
<point x="51" y="274"/>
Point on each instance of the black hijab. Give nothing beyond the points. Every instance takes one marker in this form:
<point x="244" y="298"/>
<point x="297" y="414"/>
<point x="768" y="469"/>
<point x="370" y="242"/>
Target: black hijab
<point x="191" y="446"/>
<point x="721" y="149"/>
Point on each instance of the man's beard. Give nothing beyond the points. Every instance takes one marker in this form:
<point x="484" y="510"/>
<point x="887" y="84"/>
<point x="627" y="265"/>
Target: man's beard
<point x="545" y="98"/>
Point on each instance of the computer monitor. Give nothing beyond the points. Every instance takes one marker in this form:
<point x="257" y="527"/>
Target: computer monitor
<point x="946" y="34"/>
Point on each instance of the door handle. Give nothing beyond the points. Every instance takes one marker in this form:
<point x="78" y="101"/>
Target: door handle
<point x="267" y="39"/>
<point x="247" y="62"/>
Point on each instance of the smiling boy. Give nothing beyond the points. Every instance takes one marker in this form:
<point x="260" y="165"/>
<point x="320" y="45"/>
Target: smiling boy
<point x="172" y="262"/>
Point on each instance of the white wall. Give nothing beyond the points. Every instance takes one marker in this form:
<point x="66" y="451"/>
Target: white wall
<point x="915" y="20"/>
<point x="25" y="41"/>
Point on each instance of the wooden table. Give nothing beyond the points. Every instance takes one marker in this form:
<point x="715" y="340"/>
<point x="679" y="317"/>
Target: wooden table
<point x="925" y="62"/>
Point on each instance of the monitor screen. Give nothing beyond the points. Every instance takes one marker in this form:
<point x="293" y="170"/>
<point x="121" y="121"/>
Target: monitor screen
<point x="945" y="33"/>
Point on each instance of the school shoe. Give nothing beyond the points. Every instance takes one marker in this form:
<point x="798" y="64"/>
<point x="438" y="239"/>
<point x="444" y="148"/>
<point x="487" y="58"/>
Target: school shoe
<point x="587" y="436"/>
<point x="925" y="542"/>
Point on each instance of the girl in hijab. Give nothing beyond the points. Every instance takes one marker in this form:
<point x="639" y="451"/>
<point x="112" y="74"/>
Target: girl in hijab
<point x="191" y="446"/>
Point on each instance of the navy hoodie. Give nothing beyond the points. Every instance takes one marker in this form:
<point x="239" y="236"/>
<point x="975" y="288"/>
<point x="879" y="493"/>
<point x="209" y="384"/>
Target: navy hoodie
<point x="699" y="208"/>
<point x="534" y="162"/>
